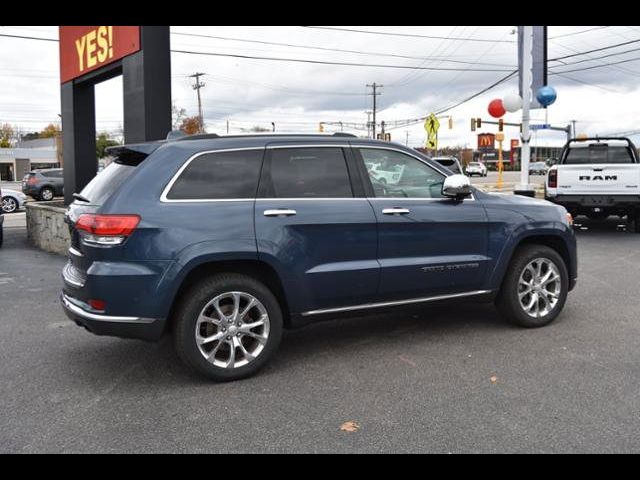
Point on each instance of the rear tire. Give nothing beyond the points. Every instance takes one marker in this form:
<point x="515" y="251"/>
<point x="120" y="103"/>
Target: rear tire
<point x="46" y="194"/>
<point x="636" y="221"/>
<point x="214" y="308"/>
<point x="524" y="298"/>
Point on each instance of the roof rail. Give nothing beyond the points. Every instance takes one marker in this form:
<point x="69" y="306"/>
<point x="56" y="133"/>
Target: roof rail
<point x="342" y="134"/>
<point x="202" y="136"/>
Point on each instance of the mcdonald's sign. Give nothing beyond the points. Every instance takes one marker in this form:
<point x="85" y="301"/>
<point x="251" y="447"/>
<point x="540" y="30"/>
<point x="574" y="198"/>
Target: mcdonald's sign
<point x="486" y="141"/>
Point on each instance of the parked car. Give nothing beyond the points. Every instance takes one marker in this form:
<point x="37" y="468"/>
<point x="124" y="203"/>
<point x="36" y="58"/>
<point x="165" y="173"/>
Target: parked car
<point x="477" y="168"/>
<point x="12" y="201"/>
<point x="1" y="223"/>
<point x="226" y="241"/>
<point x="43" y="185"/>
<point x="451" y="163"/>
<point x="598" y="177"/>
<point x="538" y="168"/>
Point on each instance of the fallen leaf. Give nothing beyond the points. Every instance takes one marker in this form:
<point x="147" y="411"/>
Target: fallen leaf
<point x="494" y="379"/>
<point x="350" y="427"/>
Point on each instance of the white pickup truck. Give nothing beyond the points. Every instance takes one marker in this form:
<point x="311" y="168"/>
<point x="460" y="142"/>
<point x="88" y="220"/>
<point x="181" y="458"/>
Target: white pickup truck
<point x="597" y="177"/>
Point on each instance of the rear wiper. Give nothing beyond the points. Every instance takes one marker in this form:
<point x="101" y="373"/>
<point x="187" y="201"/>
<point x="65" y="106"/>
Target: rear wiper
<point x="79" y="197"/>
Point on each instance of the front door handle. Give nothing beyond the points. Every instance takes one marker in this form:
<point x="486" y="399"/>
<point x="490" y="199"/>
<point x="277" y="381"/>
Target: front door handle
<point x="283" y="212"/>
<point x="396" y="211"/>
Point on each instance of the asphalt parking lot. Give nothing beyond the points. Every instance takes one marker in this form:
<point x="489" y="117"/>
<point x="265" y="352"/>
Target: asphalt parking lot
<point x="446" y="379"/>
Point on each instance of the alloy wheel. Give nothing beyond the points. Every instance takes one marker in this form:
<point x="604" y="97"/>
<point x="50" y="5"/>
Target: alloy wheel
<point x="539" y="287"/>
<point x="9" y="205"/>
<point x="232" y="330"/>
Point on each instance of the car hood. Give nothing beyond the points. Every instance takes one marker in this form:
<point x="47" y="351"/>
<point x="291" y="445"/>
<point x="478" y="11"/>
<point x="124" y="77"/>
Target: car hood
<point x="519" y="200"/>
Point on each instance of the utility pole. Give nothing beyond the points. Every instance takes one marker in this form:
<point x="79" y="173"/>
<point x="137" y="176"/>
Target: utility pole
<point x="368" y="123"/>
<point x="198" y="85"/>
<point x="573" y="131"/>
<point x="227" y="126"/>
<point x="407" y="142"/>
<point x="375" y="94"/>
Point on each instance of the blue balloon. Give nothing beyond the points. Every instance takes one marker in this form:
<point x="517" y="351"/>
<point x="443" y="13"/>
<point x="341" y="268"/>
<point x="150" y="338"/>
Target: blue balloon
<point x="547" y="96"/>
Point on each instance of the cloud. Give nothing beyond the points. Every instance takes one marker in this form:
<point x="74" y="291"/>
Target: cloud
<point x="297" y="96"/>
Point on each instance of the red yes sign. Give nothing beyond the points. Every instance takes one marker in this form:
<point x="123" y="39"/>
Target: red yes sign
<point x="84" y="49"/>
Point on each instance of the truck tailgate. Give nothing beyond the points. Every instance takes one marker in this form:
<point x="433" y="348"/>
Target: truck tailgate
<point x="596" y="179"/>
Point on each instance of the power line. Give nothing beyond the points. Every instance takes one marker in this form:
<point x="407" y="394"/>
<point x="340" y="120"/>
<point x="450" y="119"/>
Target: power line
<point x="610" y="64"/>
<point x="328" y="49"/>
<point x="24" y="37"/>
<point x="578" y="33"/>
<point x="345" y="64"/>
<point x="410" y="35"/>
<point x="577" y="54"/>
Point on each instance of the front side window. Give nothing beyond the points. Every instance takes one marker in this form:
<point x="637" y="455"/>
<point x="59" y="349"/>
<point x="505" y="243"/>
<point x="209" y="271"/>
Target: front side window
<point x="219" y="176"/>
<point x="397" y="175"/>
<point x="308" y="173"/>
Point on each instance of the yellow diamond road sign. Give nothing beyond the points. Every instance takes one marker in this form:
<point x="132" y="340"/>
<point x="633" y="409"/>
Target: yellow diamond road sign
<point x="432" y="125"/>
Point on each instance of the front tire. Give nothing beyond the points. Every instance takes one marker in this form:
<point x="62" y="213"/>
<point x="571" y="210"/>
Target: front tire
<point x="227" y="327"/>
<point x="9" y="205"/>
<point x="535" y="287"/>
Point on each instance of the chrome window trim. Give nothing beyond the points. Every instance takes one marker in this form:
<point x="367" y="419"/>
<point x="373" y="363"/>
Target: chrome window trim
<point x="174" y="179"/>
<point x="368" y="306"/>
<point x="176" y="176"/>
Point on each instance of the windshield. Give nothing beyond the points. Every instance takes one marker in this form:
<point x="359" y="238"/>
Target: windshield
<point x="595" y="154"/>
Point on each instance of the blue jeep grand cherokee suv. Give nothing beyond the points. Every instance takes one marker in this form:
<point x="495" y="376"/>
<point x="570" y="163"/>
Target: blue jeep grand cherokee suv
<point x="226" y="241"/>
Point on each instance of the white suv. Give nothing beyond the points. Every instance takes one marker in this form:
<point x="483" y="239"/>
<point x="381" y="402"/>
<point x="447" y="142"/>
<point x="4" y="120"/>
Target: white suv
<point x="476" y="168"/>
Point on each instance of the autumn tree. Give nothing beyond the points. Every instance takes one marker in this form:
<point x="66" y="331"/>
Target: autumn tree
<point x="6" y="135"/>
<point x="191" y="125"/>
<point x="50" y="131"/>
<point x="104" y="141"/>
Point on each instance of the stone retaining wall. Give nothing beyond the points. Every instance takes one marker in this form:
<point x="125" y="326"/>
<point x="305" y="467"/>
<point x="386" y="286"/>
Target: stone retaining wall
<point x="46" y="228"/>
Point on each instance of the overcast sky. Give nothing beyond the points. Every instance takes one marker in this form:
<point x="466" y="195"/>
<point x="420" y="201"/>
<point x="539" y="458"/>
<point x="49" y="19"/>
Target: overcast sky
<point x="603" y="98"/>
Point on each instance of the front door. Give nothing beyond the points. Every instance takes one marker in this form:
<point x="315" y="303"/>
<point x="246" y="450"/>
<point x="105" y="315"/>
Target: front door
<point x="428" y="244"/>
<point x="314" y="229"/>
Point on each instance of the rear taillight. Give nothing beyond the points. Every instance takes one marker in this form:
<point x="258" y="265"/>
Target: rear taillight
<point x="553" y="179"/>
<point x="106" y="230"/>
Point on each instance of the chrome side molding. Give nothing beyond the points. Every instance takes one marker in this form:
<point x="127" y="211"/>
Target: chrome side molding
<point x="368" y="306"/>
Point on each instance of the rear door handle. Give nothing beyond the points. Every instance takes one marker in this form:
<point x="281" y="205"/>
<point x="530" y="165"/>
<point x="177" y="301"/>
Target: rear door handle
<point x="396" y="211"/>
<point x="283" y="212"/>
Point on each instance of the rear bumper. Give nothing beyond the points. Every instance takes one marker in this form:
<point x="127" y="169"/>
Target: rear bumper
<point x="149" y="329"/>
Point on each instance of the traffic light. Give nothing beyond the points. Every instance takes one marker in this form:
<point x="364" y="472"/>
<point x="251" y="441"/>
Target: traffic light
<point x="501" y="125"/>
<point x="473" y="124"/>
<point x="450" y="123"/>
<point x="479" y="123"/>
<point x="321" y="127"/>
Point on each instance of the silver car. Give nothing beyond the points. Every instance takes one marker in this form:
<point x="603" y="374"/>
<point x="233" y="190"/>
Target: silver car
<point x="12" y="200"/>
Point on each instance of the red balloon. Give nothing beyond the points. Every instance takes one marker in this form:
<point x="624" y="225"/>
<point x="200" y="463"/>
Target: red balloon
<point x="496" y="108"/>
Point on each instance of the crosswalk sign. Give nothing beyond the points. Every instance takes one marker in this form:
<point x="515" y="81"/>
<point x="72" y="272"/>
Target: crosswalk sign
<point x="432" y="125"/>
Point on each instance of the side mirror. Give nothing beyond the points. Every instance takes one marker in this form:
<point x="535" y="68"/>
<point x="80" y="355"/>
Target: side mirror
<point x="457" y="186"/>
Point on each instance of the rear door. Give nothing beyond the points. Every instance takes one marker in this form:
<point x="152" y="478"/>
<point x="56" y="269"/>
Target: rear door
<point x="598" y="169"/>
<point x="314" y="226"/>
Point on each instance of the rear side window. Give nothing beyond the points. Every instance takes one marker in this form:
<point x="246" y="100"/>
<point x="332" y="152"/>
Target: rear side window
<point x="308" y="173"/>
<point x="598" y="154"/>
<point x="219" y="176"/>
<point x="106" y="182"/>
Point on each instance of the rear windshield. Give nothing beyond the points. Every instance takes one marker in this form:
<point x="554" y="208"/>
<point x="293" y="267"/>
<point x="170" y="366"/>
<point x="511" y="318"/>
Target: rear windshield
<point x="598" y="154"/>
<point x="106" y="182"/>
